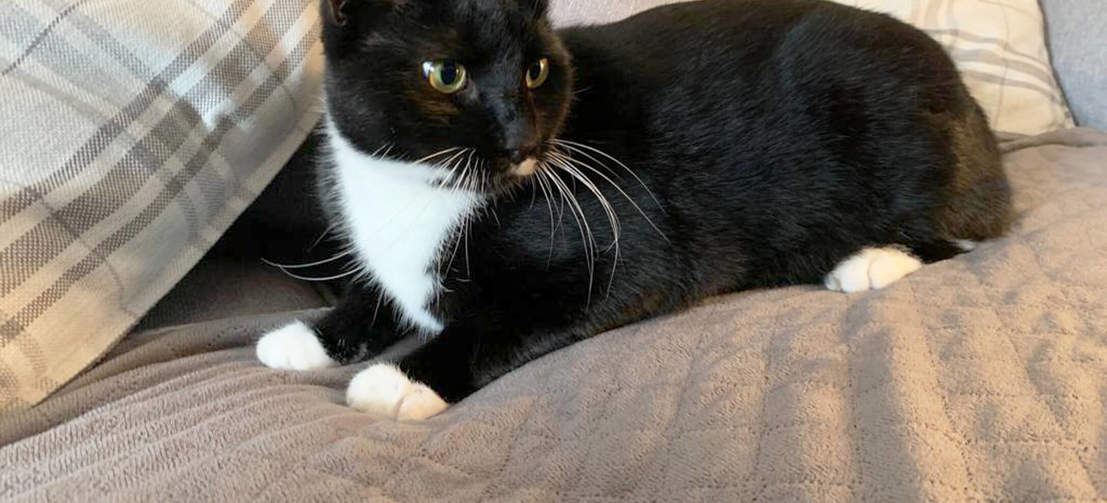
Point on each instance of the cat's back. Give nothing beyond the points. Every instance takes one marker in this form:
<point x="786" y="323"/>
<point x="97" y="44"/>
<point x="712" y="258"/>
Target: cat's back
<point x="741" y="42"/>
<point x="761" y="72"/>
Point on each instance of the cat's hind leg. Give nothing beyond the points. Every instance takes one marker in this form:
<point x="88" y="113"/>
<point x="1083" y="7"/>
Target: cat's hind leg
<point x="871" y="269"/>
<point x="877" y="267"/>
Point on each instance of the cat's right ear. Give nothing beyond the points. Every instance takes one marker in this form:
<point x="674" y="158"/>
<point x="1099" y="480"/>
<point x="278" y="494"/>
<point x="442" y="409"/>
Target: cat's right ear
<point x="340" y="12"/>
<point x="333" y="13"/>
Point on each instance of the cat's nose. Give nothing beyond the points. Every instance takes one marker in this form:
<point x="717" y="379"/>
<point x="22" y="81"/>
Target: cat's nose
<point x="521" y="153"/>
<point x="518" y="139"/>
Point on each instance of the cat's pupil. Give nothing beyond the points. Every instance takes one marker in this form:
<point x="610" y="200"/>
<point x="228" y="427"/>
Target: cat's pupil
<point x="535" y="71"/>
<point x="449" y="74"/>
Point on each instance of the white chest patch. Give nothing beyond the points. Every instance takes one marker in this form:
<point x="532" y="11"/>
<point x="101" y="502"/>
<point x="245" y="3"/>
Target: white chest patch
<point x="397" y="220"/>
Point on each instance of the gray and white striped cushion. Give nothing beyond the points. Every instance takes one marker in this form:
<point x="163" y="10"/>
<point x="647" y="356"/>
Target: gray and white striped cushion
<point x="131" y="135"/>
<point x="999" y="46"/>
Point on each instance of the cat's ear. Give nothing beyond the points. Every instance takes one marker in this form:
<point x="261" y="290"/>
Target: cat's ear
<point x="339" y="12"/>
<point x="332" y="11"/>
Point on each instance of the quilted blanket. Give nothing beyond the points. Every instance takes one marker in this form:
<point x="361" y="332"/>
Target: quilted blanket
<point x="978" y="378"/>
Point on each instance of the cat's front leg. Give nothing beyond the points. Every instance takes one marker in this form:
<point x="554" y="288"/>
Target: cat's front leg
<point x="447" y="369"/>
<point x="360" y="327"/>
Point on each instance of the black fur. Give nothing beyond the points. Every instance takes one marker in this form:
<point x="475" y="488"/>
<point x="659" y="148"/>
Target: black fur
<point x="776" y="138"/>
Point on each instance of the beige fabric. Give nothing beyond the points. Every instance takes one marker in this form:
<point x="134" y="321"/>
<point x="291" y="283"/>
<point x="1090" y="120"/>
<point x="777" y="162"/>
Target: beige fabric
<point x="983" y="378"/>
<point x="999" y="46"/>
<point x="132" y="134"/>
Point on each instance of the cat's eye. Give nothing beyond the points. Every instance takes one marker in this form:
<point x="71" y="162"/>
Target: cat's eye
<point x="446" y="77"/>
<point x="538" y="73"/>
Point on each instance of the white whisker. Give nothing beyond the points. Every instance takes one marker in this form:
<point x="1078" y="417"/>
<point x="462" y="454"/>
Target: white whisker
<point x="612" y="218"/>
<point x="383" y="148"/>
<point x="585" y="230"/>
<point x="452" y="163"/>
<point x="540" y="173"/>
<point x="577" y="146"/>
<point x="582" y="164"/>
<point x="317" y="280"/>
<point x="609" y="209"/>
<point x="459" y="184"/>
<point x="305" y="266"/>
<point x="436" y="154"/>
<point x="457" y="242"/>
<point x="330" y="228"/>
<point x="465" y="236"/>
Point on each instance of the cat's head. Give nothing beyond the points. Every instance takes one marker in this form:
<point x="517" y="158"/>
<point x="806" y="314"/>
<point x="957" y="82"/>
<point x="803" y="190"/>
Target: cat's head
<point x="428" y="78"/>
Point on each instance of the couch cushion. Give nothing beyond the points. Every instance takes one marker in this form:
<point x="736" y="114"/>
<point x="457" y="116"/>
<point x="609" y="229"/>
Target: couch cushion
<point x="1078" y="41"/>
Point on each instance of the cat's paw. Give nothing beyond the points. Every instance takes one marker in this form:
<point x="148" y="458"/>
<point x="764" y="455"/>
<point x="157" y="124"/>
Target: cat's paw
<point x="871" y="269"/>
<point x="966" y="245"/>
<point x="293" y="347"/>
<point x="383" y="390"/>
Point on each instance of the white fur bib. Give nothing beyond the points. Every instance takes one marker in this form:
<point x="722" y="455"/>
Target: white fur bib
<point x="397" y="219"/>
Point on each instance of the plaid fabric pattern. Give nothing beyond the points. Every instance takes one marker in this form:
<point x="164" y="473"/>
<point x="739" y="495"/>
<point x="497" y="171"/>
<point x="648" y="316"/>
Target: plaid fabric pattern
<point x="132" y="134"/>
<point x="999" y="46"/>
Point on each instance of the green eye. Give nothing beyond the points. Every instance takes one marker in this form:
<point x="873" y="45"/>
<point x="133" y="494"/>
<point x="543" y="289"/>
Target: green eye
<point x="538" y="73"/>
<point x="445" y="77"/>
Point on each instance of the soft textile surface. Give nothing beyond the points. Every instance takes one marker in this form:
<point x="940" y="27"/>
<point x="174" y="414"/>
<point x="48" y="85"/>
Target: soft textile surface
<point x="132" y="133"/>
<point x="221" y="287"/>
<point x="979" y="378"/>
<point x="1078" y="42"/>
<point x="998" y="45"/>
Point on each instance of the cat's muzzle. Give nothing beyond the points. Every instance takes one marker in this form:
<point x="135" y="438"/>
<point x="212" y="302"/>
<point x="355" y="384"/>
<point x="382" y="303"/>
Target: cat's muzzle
<point x="525" y="168"/>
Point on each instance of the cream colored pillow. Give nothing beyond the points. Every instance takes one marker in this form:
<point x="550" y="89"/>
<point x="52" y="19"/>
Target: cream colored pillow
<point x="999" y="45"/>
<point x="132" y="134"/>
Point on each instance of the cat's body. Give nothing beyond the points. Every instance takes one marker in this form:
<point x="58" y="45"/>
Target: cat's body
<point x="736" y="144"/>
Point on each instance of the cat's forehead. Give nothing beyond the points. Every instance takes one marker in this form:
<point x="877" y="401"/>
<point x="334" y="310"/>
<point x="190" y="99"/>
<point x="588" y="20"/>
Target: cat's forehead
<point x="494" y="20"/>
<point x="496" y="29"/>
<point x="496" y="7"/>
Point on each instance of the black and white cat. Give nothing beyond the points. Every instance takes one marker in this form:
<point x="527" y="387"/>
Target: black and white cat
<point x="507" y="190"/>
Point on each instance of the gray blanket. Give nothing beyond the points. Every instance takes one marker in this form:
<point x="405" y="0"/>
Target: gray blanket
<point x="979" y="378"/>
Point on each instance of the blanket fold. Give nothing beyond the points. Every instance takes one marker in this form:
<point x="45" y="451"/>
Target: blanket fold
<point x="979" y="378"/>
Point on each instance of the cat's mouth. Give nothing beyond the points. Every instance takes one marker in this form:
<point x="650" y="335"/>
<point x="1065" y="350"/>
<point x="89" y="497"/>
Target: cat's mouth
<point x="512" y="175"/>
<point x="525" y="168"/>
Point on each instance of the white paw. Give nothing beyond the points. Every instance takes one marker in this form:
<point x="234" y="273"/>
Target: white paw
<point x="384" y="391"/>
<point x="871" y="269"/>
<point x="965" y="244"/>
<point x="293" y="347"/>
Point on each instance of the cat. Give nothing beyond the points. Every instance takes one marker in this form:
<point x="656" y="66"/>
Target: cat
<point x="506" y="189"/>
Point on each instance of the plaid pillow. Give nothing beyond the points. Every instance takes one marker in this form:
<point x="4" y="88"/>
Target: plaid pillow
<point x="999" y="45"/>
<point x="132" y="134"/>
